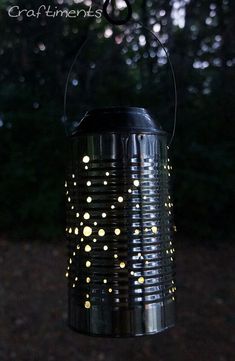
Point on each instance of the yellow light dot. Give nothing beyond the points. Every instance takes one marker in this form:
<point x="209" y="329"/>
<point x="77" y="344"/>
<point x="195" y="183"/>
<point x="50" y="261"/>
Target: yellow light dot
<point x="137" y="231"/>
<point x="86" y="216"/>
<point x="88" y="183"/>
<point x="69" y="199"/>
<point x="73" y="285"/>
<point x="120" y="199"/>
<point x="86" y="167"/>
<point x="115" y="256"/>
<point x="137" y="206"/>
<point x="88" y="264"/>
<point x="141" y="279"/>
<point x="101" y="232"/>
<point x="95" y="223"/>
<point x="75" y="183"/>
<point x="87" y="231"/>
<point x="74" y="253"/>
<point x="72" y="207"/>
<point x="87" y="304"/>
<point x="65" y="184"/>
<point x="117" y="231"/>
<point x="70" y="261"/>
<point x="110" y="290"/>
<point x="136" y="183"/>
<point x="77" y="215"/>
<point x="76" y="279"/>
<point x="73" y="175"/>
<point x="86" y="159"/>
<point x="66" y="274"/>
<point x="70" y="230"/>
<point x="173" y="298"/>
<point x="105" y="183"/>
<point x="112" y="206"/>
<point x="89" y="199"/>
<point x="154" y="229"/>
<point x="104" y="215"/>
<point x="132" y="273"/>
<point x="94" y="240"/>
<point x="107" y="174"/>
<point x="87" y="296"/>
<point x="88" y="280"/>
<point x="122" y="265"/>
<point x="76" y="230"/>
<point x="104" y="280"/>
<point x="88" y="248"/>
<point x="105" y="248"/>
<point x="129" y="190"/>
<point x="78" y="247"/>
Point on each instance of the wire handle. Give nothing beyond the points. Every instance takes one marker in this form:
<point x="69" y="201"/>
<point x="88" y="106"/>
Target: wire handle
<point x="116" y="21"/>
<point x="171" y="68"/>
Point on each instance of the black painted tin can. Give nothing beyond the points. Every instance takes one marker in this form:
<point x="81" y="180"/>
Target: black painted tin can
<point x="119" y="225"/>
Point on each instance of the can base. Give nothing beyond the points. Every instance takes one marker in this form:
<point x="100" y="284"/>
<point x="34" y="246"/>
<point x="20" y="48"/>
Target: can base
<point x="141" y="320"/>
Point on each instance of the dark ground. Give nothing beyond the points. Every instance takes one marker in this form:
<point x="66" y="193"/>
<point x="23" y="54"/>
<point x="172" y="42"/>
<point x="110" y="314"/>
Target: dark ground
<point x="33" y="309"/>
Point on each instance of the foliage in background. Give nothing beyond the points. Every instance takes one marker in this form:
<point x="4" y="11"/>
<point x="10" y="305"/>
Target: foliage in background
<point x="117" y="66"/>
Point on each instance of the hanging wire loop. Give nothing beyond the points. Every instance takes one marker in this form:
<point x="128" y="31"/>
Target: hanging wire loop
<point x="117" y="21"/>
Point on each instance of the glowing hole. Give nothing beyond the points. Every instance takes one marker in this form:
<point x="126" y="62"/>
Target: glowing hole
<point x="105" y="183"/>
<point x="78" y="247"/>
<point x="77" y="215"/>
<point x="129" y="191"/>
<point x="107" y="174"/>
<point x="122" y="265"/>
<point x="87" y="304"/>
<point x="76" y="230"/>
<point x="104" y="280"/>
<point x="65" y="184"/>
<point x="117" y="231"/>
<point x="88" y="264"/>
<point x="120" y="199"/>
<point x="88" y="183"/>
<point x="74" y="253"/>
<point x="70" y="261"/>
<point x="86" y="167"/>
<point x="87" y="231"/>
<point x="137" y="231"/>
<point x="86" y="216"/>
<point x="81" y="223"/>
<point x="87" y="296"/>
<point x="115" y="256"/>
<point x="154" y="229"/>
<point x="69" y="199"/>
<point x="72" y="207"/>
<point x="132" y="273"/>
<point x="136" y="183"/>
<point x="94" y="240"/>
<point x="112" y="206"/>
<point x="105" y="248"/>
<point x="104" y="215"/>
<point x="88" y="248"/>
<point x="76" y="279"/>
<point x="141" y="279"/>
<point x="137" y="206"/>
<point x="75" y="183"/>
<point x="66" y="274"/>
<point x="70" y="230"/>
<point x="89" y="199"/>
<point x="86" y="159"/>
<point x="73" y="285"/>
<point x="73" y="175"/>
<point x="110" y="290"/>
<point x="101" y="232"/>
<point x="88" y="280"/>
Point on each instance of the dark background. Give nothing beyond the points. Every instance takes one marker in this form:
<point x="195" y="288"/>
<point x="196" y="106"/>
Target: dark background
<point x="118" y="66"/>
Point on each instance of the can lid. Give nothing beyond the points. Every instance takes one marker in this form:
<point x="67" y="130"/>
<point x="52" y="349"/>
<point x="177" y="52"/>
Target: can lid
<point x="118" y="120"/>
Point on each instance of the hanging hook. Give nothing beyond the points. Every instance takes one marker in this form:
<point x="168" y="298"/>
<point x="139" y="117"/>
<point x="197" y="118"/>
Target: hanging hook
<point x="116" y="21"/>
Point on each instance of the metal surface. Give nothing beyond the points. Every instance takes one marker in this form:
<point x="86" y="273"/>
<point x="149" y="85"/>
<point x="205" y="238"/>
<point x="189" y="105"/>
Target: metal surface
<point x="121" y="257"/>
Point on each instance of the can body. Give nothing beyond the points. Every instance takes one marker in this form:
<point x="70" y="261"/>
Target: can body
<point x="121" y="257"/>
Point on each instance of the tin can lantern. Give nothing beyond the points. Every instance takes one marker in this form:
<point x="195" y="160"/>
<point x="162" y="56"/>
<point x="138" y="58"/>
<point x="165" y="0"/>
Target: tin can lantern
<point x="119" y="225"/>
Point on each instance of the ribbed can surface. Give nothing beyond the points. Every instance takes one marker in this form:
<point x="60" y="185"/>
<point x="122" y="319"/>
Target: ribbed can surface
<point x="119" y="230"/>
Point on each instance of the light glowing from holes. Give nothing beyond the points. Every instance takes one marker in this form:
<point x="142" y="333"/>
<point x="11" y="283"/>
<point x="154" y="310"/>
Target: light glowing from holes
<point x="88" y="280"/>
<point x="105" y="183"/>
<point x="75" y="183"/>
<point x="86" y="167"/>
<point x="117" y="231"/>
<point x="88" y="248"/>
<point x="76" y="230"/>
<point x="105" y="248"/>
<point x="154" y="229"/>
<point x="65" y="184"/>
<point x="87" y="231"/>
<point x="73" y="175"/>
<point x="66" y="274"/>
<point x="107" y="174"/>
<point x="136" y="183"/>
<point x="76" y="279"/>
<point x="81" y="223"/>
<point x="104" y="280"/>
<point x="137" y="231"/>
<point x="112" y="206"/>
<point x="129" y="190"/>
<point x="87" y="296"/>
<point x="110" y="290"/>
<point x="89" y="199"/>
<point x="104" y="215"/>
<point x="86" y="159"/>
<point x="87" y="304"/>
<point x="141" y="279"/>
<point x="69" y="199"/>
<point x="95" y="223"/>
<point x="88" y="183"/>
<point x="137" y="206"/>
<point x="70" y="230"/>
<point x="72" y="207"/>
<point x="101" y="232"/>
<point x="88" y="264"/>
<point x="120" y="199"/>
<point x="77" y="215"/>
<point x="122" y="265"/>
<point x="115" y="256"/>
<point x="86" y="216"/>
<point x="94" y="240"/>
